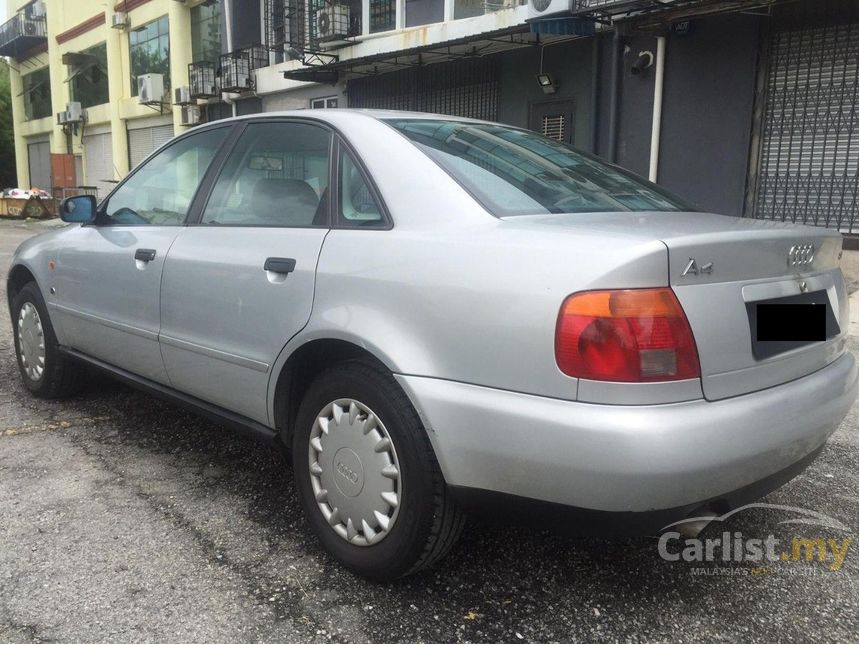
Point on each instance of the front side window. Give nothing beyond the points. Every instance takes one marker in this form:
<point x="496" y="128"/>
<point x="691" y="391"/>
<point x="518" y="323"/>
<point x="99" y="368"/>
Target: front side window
<point x="149" y="49"/>
<point x="276" y="176"/>
<point x="37" y="94"/>
<point x="88" y="80"/>
<point x="206" y="32"/>
<point x="519" y="172"/>
<point x="160" y="192"/>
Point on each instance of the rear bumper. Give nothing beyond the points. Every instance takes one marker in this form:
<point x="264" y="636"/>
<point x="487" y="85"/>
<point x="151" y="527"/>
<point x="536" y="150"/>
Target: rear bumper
<point x="629" y="459"/>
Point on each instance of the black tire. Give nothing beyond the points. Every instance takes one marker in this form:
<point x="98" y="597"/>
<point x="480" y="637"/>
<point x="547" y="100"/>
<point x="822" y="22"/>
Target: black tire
<point x="429" y="522"/>
<point x="61" y="376"/>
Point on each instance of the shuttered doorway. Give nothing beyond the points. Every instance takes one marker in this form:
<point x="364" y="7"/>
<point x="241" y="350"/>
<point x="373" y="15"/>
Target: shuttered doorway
<point x="39" y="161"/>
<point x="143" y="142"/>
<point x="98" y="160"/>
<point x="807" y="165"/>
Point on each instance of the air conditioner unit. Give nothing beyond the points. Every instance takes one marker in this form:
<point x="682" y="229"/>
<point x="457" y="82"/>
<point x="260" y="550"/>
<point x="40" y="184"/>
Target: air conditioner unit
<point x="150" y="88"/>
<point x="190" y="115"/>
<point x="74" y="112"/>
<point x="545" y="8"/>
<point x="119" y="20"/>
<point x="333" y="22"/>
<point x="62" y="118"/>
<point x="37" y="9"/>
<point x="182" y="95"/>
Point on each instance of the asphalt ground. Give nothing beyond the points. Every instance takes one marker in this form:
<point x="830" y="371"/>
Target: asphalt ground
<point x="123" y="518"/>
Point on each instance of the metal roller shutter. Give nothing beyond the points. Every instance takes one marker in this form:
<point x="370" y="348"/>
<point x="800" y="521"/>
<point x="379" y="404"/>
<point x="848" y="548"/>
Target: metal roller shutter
<point x="468" y="88"/>
<point x="808" y="154"/>
<point x="39" y="160"/>
<point x="98" y="159"/>
<point x="142" y="142"/>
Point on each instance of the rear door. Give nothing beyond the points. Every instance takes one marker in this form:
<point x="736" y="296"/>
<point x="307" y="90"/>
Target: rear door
<point x="108" y="275"/>
<point x="239" y="284"/>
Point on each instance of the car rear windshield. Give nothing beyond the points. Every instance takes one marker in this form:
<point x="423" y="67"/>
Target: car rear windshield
<point x="518" y="172"/>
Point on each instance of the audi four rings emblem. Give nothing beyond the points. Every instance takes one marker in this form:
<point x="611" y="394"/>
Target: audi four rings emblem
<point x="801" y="255"/>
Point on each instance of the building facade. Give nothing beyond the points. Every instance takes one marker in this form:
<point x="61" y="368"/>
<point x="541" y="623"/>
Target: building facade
<point x="743" y="107"/>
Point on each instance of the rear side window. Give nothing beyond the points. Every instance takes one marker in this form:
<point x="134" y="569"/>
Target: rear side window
<point x="517" y="172"/>
<point x="276" y="176"/>
<point x="358" y="206"/>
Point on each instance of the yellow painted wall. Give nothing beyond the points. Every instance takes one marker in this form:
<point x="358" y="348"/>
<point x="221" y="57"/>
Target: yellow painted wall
<point x="63" y="15"/>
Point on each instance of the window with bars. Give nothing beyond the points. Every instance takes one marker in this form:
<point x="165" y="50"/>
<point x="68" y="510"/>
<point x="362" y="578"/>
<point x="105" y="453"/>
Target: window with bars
<point x="553" y="126"/>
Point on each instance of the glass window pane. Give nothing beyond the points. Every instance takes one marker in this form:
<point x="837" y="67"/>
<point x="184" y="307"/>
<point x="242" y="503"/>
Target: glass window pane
<point x="519" y="172"/>
<point x="277" y="176"/>
<point x="161" y="191"/>
<point x="358" y="208"/>
<point x="90" y="84"/>
<point x="149" y="49"/>
<point x="37" y="94"/>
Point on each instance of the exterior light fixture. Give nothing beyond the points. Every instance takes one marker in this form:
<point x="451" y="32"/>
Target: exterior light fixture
<point x="546" y="82"/>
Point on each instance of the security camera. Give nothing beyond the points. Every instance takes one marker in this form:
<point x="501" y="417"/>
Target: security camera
<point x="643" y="62"/>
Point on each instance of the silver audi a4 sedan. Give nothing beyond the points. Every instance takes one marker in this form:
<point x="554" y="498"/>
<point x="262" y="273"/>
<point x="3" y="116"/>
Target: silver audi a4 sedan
<point x="436" y="314"/>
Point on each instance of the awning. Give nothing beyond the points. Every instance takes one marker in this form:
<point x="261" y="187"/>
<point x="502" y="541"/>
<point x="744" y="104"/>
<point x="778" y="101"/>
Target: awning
<point x="485" y="44"/>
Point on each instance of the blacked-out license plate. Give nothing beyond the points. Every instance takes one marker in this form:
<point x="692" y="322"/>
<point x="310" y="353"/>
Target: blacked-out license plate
<point x="782" y="324"/>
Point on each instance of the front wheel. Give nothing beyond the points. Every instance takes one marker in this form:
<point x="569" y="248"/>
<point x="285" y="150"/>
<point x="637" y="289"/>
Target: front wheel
<point x="46" y="373"/>
<point x="367" y="475"/>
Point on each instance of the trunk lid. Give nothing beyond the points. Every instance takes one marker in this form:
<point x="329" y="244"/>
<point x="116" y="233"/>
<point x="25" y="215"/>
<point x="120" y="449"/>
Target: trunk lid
<point x="720" y="267"/>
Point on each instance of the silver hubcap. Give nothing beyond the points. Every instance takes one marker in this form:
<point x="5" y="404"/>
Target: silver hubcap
<point x="31" y="341"/>
<point x="354" y="472"/>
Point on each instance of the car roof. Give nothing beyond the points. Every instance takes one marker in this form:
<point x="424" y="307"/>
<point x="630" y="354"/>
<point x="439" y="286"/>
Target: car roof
<point x="342" y="115"/>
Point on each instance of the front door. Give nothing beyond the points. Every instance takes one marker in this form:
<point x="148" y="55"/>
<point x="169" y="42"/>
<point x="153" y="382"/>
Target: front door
<point x="240" y="284"/>
<point x="108" y="276"/>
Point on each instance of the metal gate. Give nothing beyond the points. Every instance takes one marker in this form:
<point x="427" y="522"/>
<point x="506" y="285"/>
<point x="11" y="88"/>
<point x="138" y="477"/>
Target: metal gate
<point x="807" y="157"/>
<point x="468" y="88"/>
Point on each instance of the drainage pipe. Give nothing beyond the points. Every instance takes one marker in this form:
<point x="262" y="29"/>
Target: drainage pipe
<point x="657" y="117"/>
<point x="228" y="18"/>
<point x="595" y="91"/>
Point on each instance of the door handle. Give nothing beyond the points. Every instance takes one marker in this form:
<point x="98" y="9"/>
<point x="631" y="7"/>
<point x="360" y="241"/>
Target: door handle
<point x="280" y="265"/>
<point x="144" y="255"/>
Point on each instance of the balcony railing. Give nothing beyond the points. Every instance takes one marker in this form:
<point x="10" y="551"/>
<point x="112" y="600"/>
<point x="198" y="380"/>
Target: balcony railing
<point x="21" y="33"/>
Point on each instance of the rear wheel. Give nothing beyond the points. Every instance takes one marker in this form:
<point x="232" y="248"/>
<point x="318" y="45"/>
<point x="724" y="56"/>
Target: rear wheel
<point x="367" y="475"/>
<point x="44" y="370"/>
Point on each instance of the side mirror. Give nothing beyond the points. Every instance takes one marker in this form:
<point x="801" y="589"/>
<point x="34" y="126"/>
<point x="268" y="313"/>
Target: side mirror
<point x="80" y="209"/>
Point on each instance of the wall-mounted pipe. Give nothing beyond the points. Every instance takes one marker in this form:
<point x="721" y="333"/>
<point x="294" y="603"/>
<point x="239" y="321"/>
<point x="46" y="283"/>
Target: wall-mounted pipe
<point x="614" y="95"/>
<point x="595" y="91"/>
<point x="228" y="18"/>
<point x="657" y="115"/>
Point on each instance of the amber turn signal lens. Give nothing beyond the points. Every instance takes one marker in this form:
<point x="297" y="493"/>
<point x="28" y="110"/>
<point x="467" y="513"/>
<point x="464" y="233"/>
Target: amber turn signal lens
<point x="628" y="335"/>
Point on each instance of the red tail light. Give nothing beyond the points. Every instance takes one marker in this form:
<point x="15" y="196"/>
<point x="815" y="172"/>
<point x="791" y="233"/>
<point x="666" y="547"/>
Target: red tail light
<point x="631" y="335"/>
